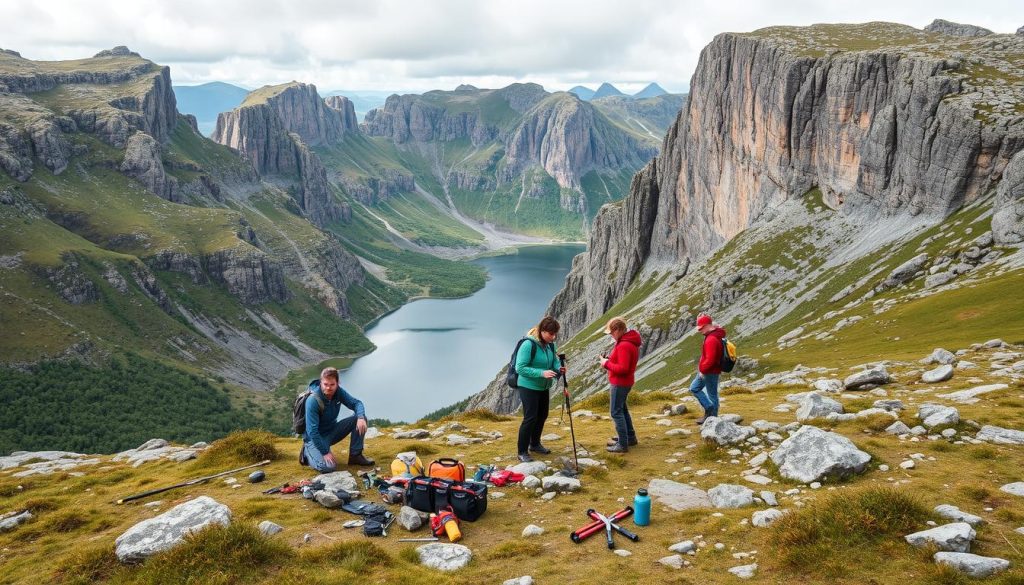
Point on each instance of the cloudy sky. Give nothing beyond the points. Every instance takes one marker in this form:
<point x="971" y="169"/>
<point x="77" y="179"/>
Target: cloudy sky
<point x="417" y="45"/>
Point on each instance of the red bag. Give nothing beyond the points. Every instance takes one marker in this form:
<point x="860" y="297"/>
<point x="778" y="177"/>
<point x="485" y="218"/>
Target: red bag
<point x="500" y="478"/>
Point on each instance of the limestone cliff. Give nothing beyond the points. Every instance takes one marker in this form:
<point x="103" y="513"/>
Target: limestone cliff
<point x="905" y="128"/>
<point x="274" y="129"/>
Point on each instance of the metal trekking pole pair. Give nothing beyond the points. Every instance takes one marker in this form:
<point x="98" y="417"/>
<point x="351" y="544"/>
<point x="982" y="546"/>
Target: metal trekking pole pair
<point x="568" y="406"/>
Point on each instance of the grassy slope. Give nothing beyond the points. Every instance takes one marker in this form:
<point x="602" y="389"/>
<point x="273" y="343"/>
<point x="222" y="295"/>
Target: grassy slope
<point x="72" y="534"/>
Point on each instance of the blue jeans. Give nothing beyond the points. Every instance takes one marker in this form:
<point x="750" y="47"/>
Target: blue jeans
<point x="705" y="389"/>
<point x="344" y="428"/>
<point x="620" y="414"/>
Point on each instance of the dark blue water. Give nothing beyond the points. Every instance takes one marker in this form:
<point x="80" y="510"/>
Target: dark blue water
<point x="432" y="353"/>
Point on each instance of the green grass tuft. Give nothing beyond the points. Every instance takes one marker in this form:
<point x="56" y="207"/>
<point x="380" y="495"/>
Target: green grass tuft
<point x="240" y="447"/>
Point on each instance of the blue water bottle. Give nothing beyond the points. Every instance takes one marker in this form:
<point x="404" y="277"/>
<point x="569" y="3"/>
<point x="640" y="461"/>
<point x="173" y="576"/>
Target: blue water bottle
<point x="642" y="508"/>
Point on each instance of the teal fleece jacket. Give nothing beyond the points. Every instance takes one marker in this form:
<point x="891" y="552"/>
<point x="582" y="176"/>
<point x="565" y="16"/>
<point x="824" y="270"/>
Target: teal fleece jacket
<point x="531" y="373"/>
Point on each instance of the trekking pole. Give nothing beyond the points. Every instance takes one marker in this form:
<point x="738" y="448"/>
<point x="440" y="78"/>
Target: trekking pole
<point x="189" y="482"/>
<point x="568" y="406"/>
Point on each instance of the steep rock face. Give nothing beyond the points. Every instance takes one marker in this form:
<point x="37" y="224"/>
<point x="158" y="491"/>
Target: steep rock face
<point x="258" y="130"/>
<point x="32" y="131"/>
<point x="248" y="274"/>
<point x="147" y="104"/>
<point x="370" y="190"/>
<point x="882" y="133"/>
<point x="301" y="111"/>
<point x="1008" y="219"/>
<point x="409" y="118"/>
<point x="567" y="137"/>
<point x="957" y="29"/>
<point x="142" y="162"/>
<point x="342" y="104"/>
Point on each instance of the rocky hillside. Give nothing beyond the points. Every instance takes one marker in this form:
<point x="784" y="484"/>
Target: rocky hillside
<point x="816" y="175"/>
<point x="648" y="119"/>
<point x="128" y="235"/>
<point x="874" y="468"/>
<point x="550" y="159"/>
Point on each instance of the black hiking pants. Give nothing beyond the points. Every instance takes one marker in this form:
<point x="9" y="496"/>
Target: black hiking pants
<point x="535" y="411"/>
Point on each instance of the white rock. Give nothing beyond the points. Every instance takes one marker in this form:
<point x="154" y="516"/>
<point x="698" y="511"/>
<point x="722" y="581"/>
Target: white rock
<point x="811" y="453"/>
<point x="731" y="496"/>
<point x="269" y="528"/>
<point x="683" y="547"/>
<point x="816" y="406"/>
<point x="1016" y="488"/>
<point x="954" y="537"/>
<point x="443" y="556"/>
<point x="939" y="356"/>
<point x="939" y="374"/>
<point x="877" y="376"/>
<point x="163" y="532"/>
<point x="757" y="479"/>
<point x="769" y="498"/>
<point x="935" y="415"/>
<point x="550" y="438"/>
<point x="828" y="385"/>
<point x="412" y="434"/>
<point x="898" y="428"/>
<point x="951" y="512"/>
<point x="674" y="561"/>
<point x="970" y="564"/>
<point x="524" y="580"/>
<point x="11" y="520"/>
<point x="622" y="552"/>
<point x="530" y="468"/>
<point x="559" y="483"/>
<point x="744" y="571"/>
<point x="338" y="480"/>
<point x="765" y="518"/>
<point x="970" y="396"/>
<point x="664" y="423"/>
<point x="532" y="530"/>
<point x="994" y="434"/>
<point x="908" y="464"/>
<point x="531" y="482"/>
<point x="409" y="519"/>
<point x="724" y="432"/>
<point x="677" y="496"/>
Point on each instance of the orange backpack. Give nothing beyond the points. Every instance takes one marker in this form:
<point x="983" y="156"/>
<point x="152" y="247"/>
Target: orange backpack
<point x="445" y="468"/>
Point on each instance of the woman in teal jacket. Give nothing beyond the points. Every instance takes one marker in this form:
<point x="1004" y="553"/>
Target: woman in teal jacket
<point x="538" y="369"/>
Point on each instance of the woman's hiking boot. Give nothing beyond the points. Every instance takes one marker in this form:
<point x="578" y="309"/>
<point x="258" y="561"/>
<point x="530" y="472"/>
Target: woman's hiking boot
<point x="617" y="448"/>
<point x="359" y="459"/>
<point x="615" y="441"/>
<point x="540" y="449"/>
<point x="525" y="458"/>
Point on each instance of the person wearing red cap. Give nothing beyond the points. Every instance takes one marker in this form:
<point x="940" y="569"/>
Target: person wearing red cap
<point x="705" y="385"/>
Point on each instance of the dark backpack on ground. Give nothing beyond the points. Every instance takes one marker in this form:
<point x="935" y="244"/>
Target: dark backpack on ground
<point x="299" y="411"/>
<point x="728" y="355"/>
<point x="512" y="376"/>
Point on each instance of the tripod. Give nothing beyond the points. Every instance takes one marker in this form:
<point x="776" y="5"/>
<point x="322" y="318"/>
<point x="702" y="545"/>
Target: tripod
<point x="567" y="405"/>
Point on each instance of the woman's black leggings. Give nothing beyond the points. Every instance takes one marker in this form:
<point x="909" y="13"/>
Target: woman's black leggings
<point x="535" y="411"/>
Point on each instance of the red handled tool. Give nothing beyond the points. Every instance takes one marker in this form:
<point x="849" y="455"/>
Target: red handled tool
<point x="598" y="525"/>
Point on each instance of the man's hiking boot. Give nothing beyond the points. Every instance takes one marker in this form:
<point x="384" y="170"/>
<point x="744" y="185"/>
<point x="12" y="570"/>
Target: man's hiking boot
<point x="540" y="449"/>
<point x="302" y="456"/>
<point x="525" y="458"/>
<point x="617" y="448"/>
<point x="701" y="420"/>
<point x="615" y="441"/>
<point x="359" y="459"/>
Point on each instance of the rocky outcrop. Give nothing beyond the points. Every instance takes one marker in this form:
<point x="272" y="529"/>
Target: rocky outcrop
<point x="269" y="131"/>
<point x="70" y="282"/>
<point x="147" y="104"/>
<point x="882" y="133"/>
<point x="248" y="274"/>
<point x="32" y="132"/>
<point x="342" y="104"/>
<point x="371" y="189"/>
<point x="1008" y="218"/>
<point x="956" y="29"/>
<point x="411" y="118"/>
<point x="143" y="162"/>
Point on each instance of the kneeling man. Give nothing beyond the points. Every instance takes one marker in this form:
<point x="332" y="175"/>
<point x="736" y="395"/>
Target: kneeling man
<point x="323" y="428"/>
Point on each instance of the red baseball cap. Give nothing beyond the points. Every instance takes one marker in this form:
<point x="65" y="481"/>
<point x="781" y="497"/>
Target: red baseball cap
<point x="703" y="320"/>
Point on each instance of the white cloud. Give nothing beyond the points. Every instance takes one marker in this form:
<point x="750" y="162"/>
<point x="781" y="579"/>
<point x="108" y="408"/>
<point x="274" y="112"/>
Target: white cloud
<point x="416" y="45"/>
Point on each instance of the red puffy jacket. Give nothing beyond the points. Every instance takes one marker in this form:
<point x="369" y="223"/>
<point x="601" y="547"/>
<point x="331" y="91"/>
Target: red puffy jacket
<point x="621" y="364"/>
<point x="711" y="352"/>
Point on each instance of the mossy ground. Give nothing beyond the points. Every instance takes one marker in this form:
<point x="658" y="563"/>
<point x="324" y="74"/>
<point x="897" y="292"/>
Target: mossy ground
<point x="71" y="537"/>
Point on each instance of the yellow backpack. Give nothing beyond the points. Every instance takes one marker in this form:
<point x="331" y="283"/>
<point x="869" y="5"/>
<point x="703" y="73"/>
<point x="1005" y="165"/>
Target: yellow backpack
<point x="728" y="355"/>
<point x="406" y="464"/>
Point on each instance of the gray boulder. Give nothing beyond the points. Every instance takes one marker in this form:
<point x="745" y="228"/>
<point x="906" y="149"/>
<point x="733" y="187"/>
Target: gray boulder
<point x="12" y="520"/>
<point x="765" y="518"/>
<point x="1016" y="488"/>
<point x="957" y="29"/>
<point x="269" y="528"/>
<point x="955" y="537"/>
<point x="683" y="547"/>
<point x="143" y="162"/>
<point x="338" y="480"/>
<point x="728" y="495"/>
<point x="411" y="434"/>
<point x="939" y="374"/>
<point x="817" y="406"/>
<point x="744" y="571"/>
<point x="951" y="512"/>
<point x="409" y="519"/>
<point x="677" y="496"/>
<point x="560" y="483"/>
<point x="937" y="415"/>
<point x="938" y="279"/>
<point x="328" y="499"/>
<point x="530" y="468"/>
<point x="724" y="432"/>
<point x="939" y="356"/>
<point x="170" y="528"/>
<point x="811" y="454"/>
<point x="970" y="564"/>
<point x="828" y="385"/>
<point x="889" y="405"/>
<point x="876" y="376"/>
<point x="444" y="557"/>
<point x="905" y="272"/>
<point x="994" y="434"/>
<point x="898" y="428"/>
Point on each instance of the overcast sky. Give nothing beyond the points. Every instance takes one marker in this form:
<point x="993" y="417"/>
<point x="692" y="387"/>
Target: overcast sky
<point x="417" y="45"/>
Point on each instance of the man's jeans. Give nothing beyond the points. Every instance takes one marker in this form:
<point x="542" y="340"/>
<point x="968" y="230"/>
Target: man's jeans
<point x="705" y="389"/>
<point x="344" y="428"/>
<point x="620" y="414"/>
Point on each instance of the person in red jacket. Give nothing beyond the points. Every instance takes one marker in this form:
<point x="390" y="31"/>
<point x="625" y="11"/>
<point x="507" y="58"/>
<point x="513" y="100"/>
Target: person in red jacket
<point x="705" y="385"/>
<point x="621" y="366"/>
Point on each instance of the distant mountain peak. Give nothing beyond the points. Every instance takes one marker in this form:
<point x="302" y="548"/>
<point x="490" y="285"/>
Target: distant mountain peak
<point x="652" y="90"/>
<point x="584" y="93"/>
<point x="606" y="90"/>
<point x="466" y="87"/>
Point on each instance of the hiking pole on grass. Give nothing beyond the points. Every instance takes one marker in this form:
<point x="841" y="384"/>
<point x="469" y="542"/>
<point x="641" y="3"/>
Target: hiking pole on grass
<point x="568" y="406"/>
<point x="189" y="482"/>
